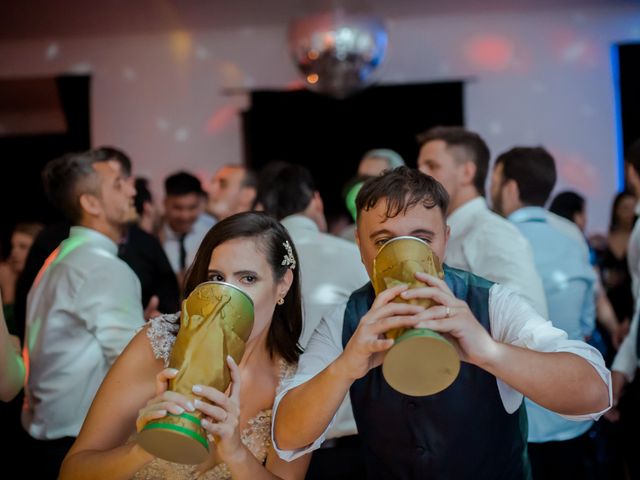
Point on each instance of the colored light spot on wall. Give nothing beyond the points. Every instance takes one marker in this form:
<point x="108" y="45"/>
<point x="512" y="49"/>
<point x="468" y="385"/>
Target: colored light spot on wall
<point x="490" y="52"/>
<point x="221" y="119"/>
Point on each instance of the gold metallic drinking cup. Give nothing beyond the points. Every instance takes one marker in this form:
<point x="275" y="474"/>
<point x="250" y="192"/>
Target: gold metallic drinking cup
<point x="421" y="361"/>
<point x="216" y="321"/>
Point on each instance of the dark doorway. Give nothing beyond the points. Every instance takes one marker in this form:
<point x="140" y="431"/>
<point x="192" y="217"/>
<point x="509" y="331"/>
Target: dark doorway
<point x="629" y="94"/>
<point x="329" y="136"/>
<point x="42" y="119"/>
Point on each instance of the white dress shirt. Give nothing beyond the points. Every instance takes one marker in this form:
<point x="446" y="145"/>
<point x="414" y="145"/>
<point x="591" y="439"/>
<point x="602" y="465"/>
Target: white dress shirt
<point x="171" y="241"/>
<point x="82" y="310"/>
<point x="627" y="360"/>
<point x="331" y="270"/>
<point x="487" y="245"/>
<point x="512" y="321"/>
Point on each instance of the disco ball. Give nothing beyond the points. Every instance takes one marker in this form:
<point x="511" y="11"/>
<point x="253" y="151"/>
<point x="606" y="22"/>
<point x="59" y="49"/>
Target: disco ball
<point x="337" y="52"/>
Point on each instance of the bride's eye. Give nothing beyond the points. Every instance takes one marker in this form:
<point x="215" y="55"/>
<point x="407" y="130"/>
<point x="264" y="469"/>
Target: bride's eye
<point x="249" y="279"/>
<point x="216" y="277"/>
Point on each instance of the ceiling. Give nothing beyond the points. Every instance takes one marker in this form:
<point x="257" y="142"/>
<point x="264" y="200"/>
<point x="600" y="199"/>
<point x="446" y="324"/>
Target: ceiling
<point x="36" y="19"/>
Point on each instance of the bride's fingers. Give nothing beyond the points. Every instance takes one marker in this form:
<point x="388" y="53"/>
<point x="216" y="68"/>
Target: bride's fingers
<point x="163" y="377"/>
<point x="173" y="397"/>
<point x="146" y="416"/>
<point x="235" y="379"/>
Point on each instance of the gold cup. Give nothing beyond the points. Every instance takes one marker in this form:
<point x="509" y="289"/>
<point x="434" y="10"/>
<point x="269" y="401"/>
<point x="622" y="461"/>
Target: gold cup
<point x="216" y="321"/>
<point x="421" y="361"/>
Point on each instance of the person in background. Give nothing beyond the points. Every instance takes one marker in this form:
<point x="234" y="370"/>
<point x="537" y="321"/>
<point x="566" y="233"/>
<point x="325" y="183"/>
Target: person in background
<point x="481" y="241"/>
<point x="349" y="194"/>
<point x="626" y="386"/>
<point x="376" y="161"/>
<point x="232" y="190"/>
<point x="21" y="240"/>
<point x="148" y="217"/>
<point x="613" y="262"/>
<point x="610" y="329"/>
<point x="143" y="252"/>
<point x="522" y="180"/>
<point x="185" y="223"/>
<point x="84" y="306"/>
<point x="287" y="192"/>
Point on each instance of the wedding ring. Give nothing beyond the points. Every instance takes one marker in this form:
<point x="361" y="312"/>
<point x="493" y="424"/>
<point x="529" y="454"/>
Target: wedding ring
<point x="447" y="312"/>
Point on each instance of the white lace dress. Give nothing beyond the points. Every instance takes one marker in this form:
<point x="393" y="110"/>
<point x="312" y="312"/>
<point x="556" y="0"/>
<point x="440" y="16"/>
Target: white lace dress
<point x="256" y="437"/>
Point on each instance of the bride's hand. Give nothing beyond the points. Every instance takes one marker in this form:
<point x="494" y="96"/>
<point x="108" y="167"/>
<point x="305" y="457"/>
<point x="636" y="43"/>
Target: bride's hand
<point x="222" y="414"/>
<point x="164" y="402"/>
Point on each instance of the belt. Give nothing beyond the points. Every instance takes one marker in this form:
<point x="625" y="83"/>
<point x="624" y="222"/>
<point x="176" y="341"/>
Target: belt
<point x="342" y="442"/>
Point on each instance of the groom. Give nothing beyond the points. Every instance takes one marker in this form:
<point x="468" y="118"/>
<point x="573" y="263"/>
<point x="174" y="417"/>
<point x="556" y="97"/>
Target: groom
<point x="476" y="428"/>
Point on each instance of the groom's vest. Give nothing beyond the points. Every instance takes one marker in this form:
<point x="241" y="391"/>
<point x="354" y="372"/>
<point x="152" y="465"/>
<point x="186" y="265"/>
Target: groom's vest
<point x="462" y="432"/>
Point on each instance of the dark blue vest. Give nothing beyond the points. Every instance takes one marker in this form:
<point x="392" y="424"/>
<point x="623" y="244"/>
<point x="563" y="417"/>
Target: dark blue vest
<point x="462" y="432"/>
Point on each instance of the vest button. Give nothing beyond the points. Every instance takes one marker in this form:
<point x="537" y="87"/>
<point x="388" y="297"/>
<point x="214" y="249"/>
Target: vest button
<point x="419" y="450"/>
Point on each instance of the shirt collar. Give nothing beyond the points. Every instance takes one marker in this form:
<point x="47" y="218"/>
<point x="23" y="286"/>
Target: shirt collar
<point x="466" y="212"/>
<point x="94" y="238"/>
<point x="169" y="234"/>
<point x="528" y="214"/>
<point x="299" y="222"/>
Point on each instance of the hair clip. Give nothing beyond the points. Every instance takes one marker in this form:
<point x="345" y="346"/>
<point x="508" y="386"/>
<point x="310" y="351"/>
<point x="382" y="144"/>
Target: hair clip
<point x="288" y="260"/>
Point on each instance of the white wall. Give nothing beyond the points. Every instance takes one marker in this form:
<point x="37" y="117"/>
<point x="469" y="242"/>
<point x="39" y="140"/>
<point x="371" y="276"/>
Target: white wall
<point x="535" y="78"/>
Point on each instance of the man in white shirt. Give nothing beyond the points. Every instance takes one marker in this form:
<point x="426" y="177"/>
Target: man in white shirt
<point x="331" y="269"/>
<point x="481" y="242"/>
<point x="469" y="430"/>
<point x="84" y="306"/>
<point x="232" y="190"/>
<point x="185" y="223"/>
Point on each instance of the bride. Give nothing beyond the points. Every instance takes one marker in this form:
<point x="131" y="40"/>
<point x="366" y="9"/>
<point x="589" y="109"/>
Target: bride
<point x="253" y="252"/>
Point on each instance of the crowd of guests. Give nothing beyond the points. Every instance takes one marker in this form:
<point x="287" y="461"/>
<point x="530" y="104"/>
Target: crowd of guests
<point x="539" y="315"/>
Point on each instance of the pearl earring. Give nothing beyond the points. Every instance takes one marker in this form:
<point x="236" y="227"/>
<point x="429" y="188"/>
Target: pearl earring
<point x="281" y="301"/>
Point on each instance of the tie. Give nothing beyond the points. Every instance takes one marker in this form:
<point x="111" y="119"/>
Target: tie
<point x="183" y="252"/>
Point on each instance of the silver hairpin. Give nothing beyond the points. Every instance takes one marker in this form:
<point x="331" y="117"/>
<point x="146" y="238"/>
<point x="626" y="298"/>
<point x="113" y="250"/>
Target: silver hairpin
<point x="288" y="260"/>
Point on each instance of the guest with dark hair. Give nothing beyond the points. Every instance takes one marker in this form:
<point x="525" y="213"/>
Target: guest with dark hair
<point x="185" y="223"/>
<point x="22" y="238"/>
<point x="473" y="429"/>
<point x="522" y="180"/>
<point x="481" y="241"/>
<point x="570" y="205"/>
<point x="253" y="252"/>
<point x="84" y="306"/>
<point x="141" y="250"/>
<point x="612" y="258"/>
<point x="148" y="217"/>
<point x="288" y="193"/>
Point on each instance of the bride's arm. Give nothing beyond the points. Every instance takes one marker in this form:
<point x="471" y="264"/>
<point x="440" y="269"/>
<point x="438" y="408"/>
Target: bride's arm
<point x="101" y="450"/>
